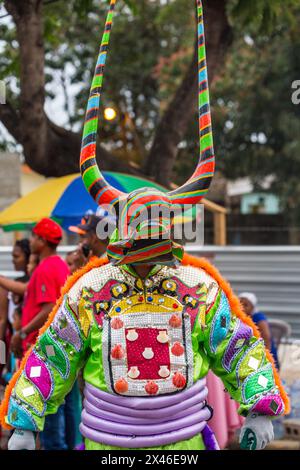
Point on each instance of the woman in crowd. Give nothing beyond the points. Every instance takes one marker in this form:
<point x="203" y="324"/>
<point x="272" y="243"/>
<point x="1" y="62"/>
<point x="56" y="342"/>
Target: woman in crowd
<point x="10" y="298"/>
<point x="12" y="363"/>
<point x="249" y="303"/>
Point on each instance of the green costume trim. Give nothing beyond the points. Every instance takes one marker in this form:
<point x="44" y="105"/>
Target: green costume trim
<point x="195" y="443"/>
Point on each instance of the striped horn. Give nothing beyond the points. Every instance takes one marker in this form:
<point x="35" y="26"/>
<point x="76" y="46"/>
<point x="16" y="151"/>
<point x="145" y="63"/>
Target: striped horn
<point x="197" y="186"/>
<point x="95" y="183"/>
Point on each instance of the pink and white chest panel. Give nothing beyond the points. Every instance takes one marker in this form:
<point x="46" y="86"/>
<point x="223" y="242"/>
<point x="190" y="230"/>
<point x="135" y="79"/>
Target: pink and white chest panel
<point x="147" y="353"/>
<point x="146" y="327"/>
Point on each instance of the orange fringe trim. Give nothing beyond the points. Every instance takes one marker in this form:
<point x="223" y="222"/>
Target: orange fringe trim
<point x="188" y="260"/>
<point x="238" y="311"/>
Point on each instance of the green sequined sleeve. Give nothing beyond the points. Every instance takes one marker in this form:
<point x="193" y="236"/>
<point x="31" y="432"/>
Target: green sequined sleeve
<point x="51" y="368"/>
<point x="239" y="359"/>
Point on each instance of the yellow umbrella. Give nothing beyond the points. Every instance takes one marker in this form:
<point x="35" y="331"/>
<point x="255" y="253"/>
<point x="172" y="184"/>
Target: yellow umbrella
<point x="34" y="206"/>
<point x="66" y="200"/>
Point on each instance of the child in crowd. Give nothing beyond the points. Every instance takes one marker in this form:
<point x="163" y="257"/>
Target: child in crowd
<point x="74" y="261"/>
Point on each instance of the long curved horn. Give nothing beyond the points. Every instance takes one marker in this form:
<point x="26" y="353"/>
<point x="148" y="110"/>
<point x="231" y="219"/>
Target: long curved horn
<point x="197" y="186"/>
<point x="95" y="183"/>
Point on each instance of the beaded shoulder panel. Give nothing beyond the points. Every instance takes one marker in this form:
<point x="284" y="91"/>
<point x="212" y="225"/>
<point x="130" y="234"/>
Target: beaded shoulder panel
<point x="146" y="325"/>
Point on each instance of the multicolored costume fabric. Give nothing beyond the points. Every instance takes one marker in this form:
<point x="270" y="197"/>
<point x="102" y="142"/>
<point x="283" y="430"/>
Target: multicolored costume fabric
<point x="137" y="338"/>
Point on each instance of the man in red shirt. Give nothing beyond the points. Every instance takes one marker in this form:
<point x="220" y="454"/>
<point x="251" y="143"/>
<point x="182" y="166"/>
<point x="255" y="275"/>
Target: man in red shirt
<point x="44" y="286"/>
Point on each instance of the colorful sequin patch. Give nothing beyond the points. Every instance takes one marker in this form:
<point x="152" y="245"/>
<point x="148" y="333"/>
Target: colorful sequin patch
<point x="194" y="299"/>
<point x="220" y="323"/>
<point x="66" y="328"/>
<point x="37" y="372"/>
<point x="241" y="335"/>
<point x="19" y="417"/>
<point x="251" y="361"/>
<point x="85" y="309"/>
<point x="28" y="393"/>
<point x="56" y="356"/>
<point x="271" y="405"/>
<point x="101" y="301"/>
<point x="258" y="383"/>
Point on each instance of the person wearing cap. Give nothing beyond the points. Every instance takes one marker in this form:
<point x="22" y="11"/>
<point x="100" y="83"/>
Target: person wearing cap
<point x="249" y="303"/>
<point x="90" y="244"/>
<point x="44" y="286"/>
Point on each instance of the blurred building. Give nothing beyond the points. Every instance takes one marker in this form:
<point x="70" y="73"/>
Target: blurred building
<point x="10" y="177"/>
<point x="255" y="216"/>
<point x="16" y="180"/>
<point x="244" y="199"/>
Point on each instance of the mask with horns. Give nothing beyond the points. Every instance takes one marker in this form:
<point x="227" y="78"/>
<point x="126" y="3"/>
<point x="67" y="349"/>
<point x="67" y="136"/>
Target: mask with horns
<point x="147" y="240"/>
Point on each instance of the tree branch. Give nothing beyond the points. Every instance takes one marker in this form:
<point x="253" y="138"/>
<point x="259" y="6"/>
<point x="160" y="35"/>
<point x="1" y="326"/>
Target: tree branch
<point x="54" y="151"/>
<point x="11" y="120"/>
<point x="29" y="24"/>
<point x="48" y="149"/>
<point x="174" y="123"/>
<point x="173" y="126"/>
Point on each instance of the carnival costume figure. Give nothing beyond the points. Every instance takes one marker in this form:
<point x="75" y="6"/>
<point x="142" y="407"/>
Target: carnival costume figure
<point x="146" y="343"/>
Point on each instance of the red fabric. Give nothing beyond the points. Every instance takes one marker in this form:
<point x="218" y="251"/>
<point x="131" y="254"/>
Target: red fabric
<point x="44" y="287"/>
<point x="48" y="230"/>
<point x="147" y="338"/>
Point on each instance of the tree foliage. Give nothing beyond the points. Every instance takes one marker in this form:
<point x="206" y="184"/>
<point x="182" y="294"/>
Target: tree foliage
<point x="151" y="80"/>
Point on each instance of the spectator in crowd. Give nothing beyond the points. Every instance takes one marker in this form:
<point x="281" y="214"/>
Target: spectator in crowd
<point x="44" y="286"/>
<point x="9" y="299"/>
<point x="90" y="244"/>
<point x="249" y="303"/>
<point x="12" y="362"/>
<point x="17" y="287"/>
<point x="75" y="260"/>
<point x="3" y="314"/>
<point x="18" y="290"/>
<point x="20" y="257"/>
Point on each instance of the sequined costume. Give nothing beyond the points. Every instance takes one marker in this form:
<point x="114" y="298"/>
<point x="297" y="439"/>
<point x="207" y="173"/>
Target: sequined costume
<point x="146" y="345"/>
<point x="155" y="338"/>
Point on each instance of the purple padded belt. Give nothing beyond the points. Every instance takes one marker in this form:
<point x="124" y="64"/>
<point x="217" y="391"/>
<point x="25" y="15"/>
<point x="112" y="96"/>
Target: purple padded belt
<point x="107" y="415"/>
<point x="135" y="422"/>
<point x="166" y="411"/>
<point x="147" y="403"/>
<point x="143" y="441"/>
<point x="144" y="429"/>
